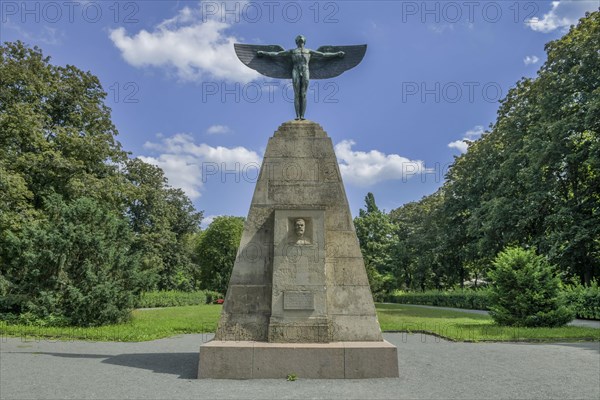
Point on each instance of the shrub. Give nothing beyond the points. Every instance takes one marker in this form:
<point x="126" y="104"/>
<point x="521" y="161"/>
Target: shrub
<point x="212" y="296"/>
<point x="75" y="267"/>
<point x="584" y="299"/>
<point x="525" y="291"/>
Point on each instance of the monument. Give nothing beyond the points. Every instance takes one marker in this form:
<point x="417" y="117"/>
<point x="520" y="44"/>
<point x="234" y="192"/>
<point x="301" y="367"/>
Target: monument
<point x="298" y="300"/>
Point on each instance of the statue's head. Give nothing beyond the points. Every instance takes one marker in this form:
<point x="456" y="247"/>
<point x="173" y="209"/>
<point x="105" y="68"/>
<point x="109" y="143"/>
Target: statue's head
<point x="300" y="38"/>
<point x="299" y="227"/>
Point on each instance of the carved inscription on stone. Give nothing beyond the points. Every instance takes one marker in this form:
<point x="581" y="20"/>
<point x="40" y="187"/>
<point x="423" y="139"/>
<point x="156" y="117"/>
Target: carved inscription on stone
<point x="320" y="193"/>
<point x="298" y="301"/>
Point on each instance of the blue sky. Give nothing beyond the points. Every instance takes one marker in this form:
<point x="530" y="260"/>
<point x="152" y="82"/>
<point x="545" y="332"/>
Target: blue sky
<point x="432" y="77"/>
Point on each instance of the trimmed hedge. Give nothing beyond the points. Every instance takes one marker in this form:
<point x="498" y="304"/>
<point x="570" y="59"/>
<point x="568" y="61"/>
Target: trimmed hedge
<point x="585" y="300"/>
<point x="175" y="298"/>
<point x="468" y="299"/>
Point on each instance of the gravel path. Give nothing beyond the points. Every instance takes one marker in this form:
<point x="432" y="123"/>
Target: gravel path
<point x="430" y="368"/>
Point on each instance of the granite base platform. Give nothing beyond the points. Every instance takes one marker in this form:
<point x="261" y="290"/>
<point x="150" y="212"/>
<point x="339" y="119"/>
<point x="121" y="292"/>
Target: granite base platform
<point x="263" y="360"/>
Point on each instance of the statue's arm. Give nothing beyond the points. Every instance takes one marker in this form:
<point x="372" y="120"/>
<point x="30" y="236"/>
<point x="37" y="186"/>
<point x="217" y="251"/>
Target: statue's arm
<point x="328" y="55"/>
<point x="261" y="53"/>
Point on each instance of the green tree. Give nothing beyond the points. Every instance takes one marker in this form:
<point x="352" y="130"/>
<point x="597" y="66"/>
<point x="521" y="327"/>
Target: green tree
<point x="75" y="264"/>
<point x="567" y="137"/>
<point x="163" y="219"/>
<point x="533" y="179"/>
<point x="376" y="235"/>
<point x="61" y="169"/>
<point x="421" y="260"/>
<point x="526" y="291"/>
<point x="216" y="252"/>
<point x="55" y="130"/>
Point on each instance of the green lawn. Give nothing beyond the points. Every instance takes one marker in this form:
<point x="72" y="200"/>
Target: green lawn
<point x="144" y="325"/>
<point x="160" y="323"/>
<point x="461" y="326"/>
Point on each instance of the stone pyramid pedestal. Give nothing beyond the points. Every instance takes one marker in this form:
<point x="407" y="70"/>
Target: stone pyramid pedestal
<point x="298" y="300"/>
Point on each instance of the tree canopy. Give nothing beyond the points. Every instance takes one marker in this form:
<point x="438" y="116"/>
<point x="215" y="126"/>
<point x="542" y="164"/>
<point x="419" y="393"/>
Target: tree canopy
<point x="83" y="227"/>
<point x="533" y="180"/>
<point x="216" y="251"/>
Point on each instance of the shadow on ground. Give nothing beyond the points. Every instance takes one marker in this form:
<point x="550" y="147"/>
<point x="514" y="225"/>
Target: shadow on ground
<point x="185" y="365"/>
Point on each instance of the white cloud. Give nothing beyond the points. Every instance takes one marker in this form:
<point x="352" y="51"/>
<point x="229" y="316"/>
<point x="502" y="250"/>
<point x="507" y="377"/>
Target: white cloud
<point x="460" y="145"/>
<point x="218" y="129"/>
<point x="563" y="14"/>
<point x="367" y="168"/>
<point x="469" y="136"/>
<point x="440" y="27"/>
<point x="475" y="132"/>
<point x="185" y="162"/>
<point x="531" y="60"/>
<point x="46" y="34"/>
<point x="181" y="171"/>
<point x="206" y="221"/>
<point x="188" y="165"/>
<point x="194" y="48"/>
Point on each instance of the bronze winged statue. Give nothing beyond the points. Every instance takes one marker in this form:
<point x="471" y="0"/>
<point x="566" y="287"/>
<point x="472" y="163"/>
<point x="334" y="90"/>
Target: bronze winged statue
<point x="300" y="64"/>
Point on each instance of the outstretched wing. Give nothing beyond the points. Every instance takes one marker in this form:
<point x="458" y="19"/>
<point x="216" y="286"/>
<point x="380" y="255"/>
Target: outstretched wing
<point x="274" y="67"/>
<point x="325" y="68"/>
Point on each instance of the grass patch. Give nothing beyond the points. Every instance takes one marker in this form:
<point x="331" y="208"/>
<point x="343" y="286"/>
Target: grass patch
<point x="460" y="326"/>
<point x="144" y="325"/>
<point x="161" y="323"/>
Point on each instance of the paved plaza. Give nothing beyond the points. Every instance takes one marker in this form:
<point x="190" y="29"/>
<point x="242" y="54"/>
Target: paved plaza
<point x="430" y="368"/>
